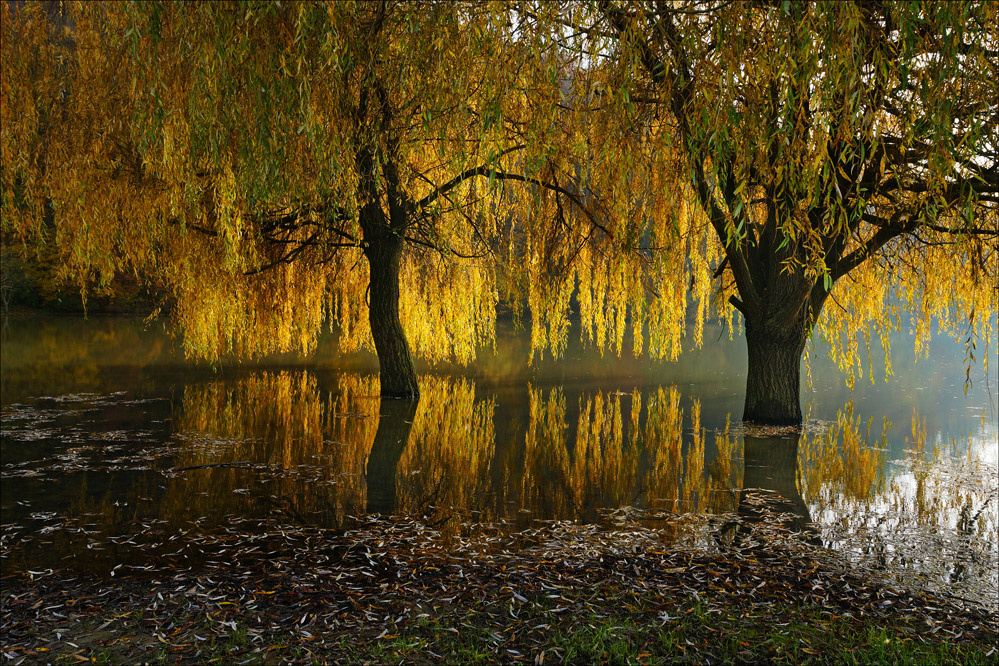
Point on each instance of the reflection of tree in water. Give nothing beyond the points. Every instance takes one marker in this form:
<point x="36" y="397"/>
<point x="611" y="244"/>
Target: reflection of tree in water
<point x="395" y="421"/>
<point x="933" y="521"/>
<point x="447" y="459"/>
<point x="842" y="461"/>
<point x="580" y="461"/>
<point x="617" y="449"/>
<point x="770" y="491"/>
<point x="305" y="448"/>
<point x="544" y="480"/>
<point x="280" y="441"/>
<point x="321" y="454"/>
<point x="725" y="472"/>
<point x="604" y="463"/>
<point x="673" y="480"/>
<point x="574" y="466"/>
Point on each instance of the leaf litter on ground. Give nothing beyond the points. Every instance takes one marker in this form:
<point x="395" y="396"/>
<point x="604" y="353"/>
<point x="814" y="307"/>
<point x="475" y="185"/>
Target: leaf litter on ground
<point x="263" y="590"/>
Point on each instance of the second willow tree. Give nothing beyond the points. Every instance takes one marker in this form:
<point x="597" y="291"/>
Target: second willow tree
<point x="842" y="155"/>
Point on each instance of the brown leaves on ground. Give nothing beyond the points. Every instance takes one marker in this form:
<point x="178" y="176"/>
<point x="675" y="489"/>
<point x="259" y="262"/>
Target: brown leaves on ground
<point x="270" y="592"/>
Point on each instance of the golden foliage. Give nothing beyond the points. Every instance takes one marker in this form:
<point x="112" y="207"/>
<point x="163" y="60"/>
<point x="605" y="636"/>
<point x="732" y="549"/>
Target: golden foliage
<point x="214" y="148"/>
<point x="828" y="145"/>
<point x="220" y="149"/>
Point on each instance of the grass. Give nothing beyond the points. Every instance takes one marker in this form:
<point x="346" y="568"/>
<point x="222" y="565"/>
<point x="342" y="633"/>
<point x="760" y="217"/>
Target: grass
<point x="700" y="633"/>
<point x="693" y="631"/>
<point x="618" y="640"/>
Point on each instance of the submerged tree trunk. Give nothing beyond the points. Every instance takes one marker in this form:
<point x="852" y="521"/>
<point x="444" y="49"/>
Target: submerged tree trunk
<point x="773" y="379"/>
<point x="383" y="250"/>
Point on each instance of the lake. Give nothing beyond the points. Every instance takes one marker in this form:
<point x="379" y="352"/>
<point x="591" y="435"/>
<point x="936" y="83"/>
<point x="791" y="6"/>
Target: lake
<point x="113" y="446"/>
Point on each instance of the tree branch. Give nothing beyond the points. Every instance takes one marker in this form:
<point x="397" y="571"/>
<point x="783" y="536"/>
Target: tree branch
<point x="867" y="249"/>
<point x="888" y="224"/>
<point x="482" y="169"/>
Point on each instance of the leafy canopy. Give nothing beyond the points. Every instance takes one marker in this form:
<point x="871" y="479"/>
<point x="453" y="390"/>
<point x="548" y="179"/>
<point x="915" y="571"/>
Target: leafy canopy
<point x="841" y="150"/>
<point x="665" y="153"/>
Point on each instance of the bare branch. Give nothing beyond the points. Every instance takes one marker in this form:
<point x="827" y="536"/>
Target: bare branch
<point x="481" y="170"/>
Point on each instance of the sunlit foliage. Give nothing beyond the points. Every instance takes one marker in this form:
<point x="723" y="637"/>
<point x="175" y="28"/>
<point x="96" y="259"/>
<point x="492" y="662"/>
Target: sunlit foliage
<point x="218" y="149"/>
<point x="826" y="165"/>
<point x="226" y="150"/>
<point x="837" y="150"/>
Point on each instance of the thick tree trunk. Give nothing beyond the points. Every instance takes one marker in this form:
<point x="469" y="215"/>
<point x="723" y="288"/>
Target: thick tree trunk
<point x="773" y="381"/>
<point x="395" y="361"/>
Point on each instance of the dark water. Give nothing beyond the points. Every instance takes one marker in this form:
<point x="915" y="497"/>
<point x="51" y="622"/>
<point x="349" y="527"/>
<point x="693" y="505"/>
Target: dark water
<point x="107" y="434"/>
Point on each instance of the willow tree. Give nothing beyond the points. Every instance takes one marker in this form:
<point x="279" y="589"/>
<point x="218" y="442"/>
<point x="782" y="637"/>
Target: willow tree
<point x="278" y="166"/>
<point x="839" y="152"/>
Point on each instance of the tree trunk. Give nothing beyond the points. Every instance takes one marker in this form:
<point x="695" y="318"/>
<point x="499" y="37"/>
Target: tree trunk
<point x="395" y="361"/>
<point x="773" y="381"/>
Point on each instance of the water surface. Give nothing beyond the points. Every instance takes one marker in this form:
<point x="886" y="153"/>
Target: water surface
<point x="109" y="435"/>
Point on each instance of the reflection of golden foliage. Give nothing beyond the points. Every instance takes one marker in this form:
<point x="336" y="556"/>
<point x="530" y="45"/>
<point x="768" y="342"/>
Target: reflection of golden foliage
<point x="600" y="474"/>
<point x="545" y="484"/>
<point x="599" y="469"/>
<point x="725" y="475"/>
<point x="312" y="447"/>
<point x="664" y="444"/>
<point x="609" y="465"/>
<point x="694" y="489"/>
<point x="939" y="505"/>
<point x="446" y="462"/>
<point x="918" y="448"/>
<point x="841" y="460"/>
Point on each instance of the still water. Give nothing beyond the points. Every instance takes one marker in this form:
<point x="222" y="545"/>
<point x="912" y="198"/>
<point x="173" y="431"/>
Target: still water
<point x="108" y="434"/>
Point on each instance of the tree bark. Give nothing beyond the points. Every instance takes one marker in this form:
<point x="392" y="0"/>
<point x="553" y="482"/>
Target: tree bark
<point x="395" y="361"/>
<point x="773" y="380"/>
